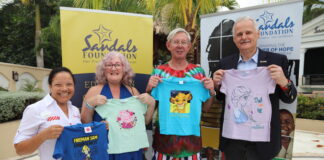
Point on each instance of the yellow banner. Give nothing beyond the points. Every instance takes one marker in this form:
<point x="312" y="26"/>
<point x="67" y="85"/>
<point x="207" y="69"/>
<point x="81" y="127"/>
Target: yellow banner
<point x="88" y="35"/>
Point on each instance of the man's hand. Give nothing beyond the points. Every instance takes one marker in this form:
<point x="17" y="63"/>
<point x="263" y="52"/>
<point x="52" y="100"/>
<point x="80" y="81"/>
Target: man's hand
<point x="146" y="99"/>
<point x="278" y="75"/>
<point x="209" y="84"/>
<point x="153" y="82"/>
<point x="217" y="77"/>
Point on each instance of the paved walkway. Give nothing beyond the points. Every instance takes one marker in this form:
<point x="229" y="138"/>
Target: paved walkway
<point x="308" y="145"/>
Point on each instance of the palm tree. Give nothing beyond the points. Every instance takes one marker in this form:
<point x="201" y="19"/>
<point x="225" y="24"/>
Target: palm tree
<point x="134" y="6"/>
<point x="176" y="13"/>
<point x="39" y="51"/>
<point x="185" y="13"/>
<point x="312" y="9"/>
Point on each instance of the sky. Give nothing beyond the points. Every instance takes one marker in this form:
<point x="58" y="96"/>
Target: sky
<point x="3" y="2"/>
<point x="249" y="3"/>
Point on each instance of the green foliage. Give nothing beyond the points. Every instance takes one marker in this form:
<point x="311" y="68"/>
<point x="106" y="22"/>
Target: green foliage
<point x="51" y="37"/>
<point x="12" y="104"/>
<point x="17" y="35"/>
<point x="132" y="6"/>
<point x="3" y="89"/>
<point x="310" y="107"/>
<point x="30" y="86"/>
<point x="161" y="54"/>
<point x="312" y="9"/>
<point x="51" y="43"/>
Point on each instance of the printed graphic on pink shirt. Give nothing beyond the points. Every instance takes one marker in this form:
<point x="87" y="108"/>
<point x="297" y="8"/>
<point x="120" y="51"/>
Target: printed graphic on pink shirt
<point x="246" y="107"/>
<point x="126" y="119"/>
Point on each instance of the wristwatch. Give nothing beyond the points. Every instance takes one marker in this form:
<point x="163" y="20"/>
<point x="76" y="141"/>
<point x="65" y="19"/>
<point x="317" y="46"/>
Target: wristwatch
<point x="287" y="86"/>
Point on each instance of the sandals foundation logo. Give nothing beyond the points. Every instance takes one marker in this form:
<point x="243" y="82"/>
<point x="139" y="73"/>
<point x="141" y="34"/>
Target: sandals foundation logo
<point x="275" y="29"/>
<point x="100" y="43"/>
<point x="270" y="26"/>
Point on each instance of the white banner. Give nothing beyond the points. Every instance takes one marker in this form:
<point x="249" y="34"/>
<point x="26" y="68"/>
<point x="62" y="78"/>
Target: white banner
<point x="280" y="27"/>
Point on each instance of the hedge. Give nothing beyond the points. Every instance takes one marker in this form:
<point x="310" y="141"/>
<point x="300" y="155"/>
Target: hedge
<point x="310" y="107"/>
<point x="12" y="104"/>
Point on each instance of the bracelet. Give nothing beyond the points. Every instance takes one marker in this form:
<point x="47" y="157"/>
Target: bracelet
<point x="89" y="106"/>
<point x="214" y="93"/>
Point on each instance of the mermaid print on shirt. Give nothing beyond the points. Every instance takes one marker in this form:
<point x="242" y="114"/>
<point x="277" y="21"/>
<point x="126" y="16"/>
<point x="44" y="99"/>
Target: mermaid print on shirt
<point x="248" y="109"/>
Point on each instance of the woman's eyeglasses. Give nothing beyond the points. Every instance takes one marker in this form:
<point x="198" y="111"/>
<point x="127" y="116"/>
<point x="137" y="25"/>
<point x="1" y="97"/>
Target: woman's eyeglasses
<point x="110" y="66"/>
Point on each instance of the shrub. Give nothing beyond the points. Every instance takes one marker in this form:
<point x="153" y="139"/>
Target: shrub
<point x="12" y="104"/>
<point x="30" y="86"/>
<point x="310" y="107"/>
<point x="3" y="89"/>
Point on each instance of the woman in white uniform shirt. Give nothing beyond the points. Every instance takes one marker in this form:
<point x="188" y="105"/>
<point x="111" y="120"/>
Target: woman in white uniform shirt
<point x="43" y="121"/>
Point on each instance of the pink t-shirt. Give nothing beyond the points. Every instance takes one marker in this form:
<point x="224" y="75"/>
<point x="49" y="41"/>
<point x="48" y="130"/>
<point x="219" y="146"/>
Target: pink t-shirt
<point x="248" y="107"/>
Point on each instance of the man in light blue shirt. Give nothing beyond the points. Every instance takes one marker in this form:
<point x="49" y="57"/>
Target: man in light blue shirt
<point x="250" y="63"/>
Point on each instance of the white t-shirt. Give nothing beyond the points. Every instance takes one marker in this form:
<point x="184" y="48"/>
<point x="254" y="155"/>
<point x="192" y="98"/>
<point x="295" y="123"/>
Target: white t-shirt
<point x="41" y="115"/>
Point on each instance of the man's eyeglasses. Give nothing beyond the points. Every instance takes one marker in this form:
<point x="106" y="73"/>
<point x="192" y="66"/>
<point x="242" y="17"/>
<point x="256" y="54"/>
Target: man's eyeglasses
<point x="110" y="66"/>
<point x="182" y="43"/>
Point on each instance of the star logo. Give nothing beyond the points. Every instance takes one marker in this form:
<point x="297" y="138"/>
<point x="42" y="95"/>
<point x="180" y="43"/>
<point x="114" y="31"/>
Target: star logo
<point x="103" y="34"/>
<point x="266" y="17"/>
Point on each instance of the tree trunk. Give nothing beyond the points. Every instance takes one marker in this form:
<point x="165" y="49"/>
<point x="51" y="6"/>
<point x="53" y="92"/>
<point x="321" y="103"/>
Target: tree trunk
<point x="39" y="51"/>
<point x="191" y="57"/>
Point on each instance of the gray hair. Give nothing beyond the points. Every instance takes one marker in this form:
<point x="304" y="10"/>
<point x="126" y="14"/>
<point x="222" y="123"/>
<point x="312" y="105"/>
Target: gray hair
<point x="244" y="18"/>
<point x="176" y="31"/>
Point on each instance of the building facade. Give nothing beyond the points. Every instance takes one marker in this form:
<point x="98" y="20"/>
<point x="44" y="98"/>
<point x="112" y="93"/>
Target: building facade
<point x="311" y="68"/>
<point x="13" y="77"/>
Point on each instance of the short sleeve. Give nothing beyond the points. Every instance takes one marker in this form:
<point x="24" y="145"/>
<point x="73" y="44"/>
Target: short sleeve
<point x="223" y="85"/>
<point x="205" y="95"/>
<point x="154" y="92"/>
<point x="58" y="150"/>
<point x="101" y="111"/>
<point x="143" y="107"/>
<point x="29" y="125"/>
<point x="271" y="84"/>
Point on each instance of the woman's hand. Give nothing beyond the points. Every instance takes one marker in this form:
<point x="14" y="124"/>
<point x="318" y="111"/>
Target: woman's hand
<point x="30" y="145"/>
<point x="52" y="132"/>
<point x="96" y="100"/>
